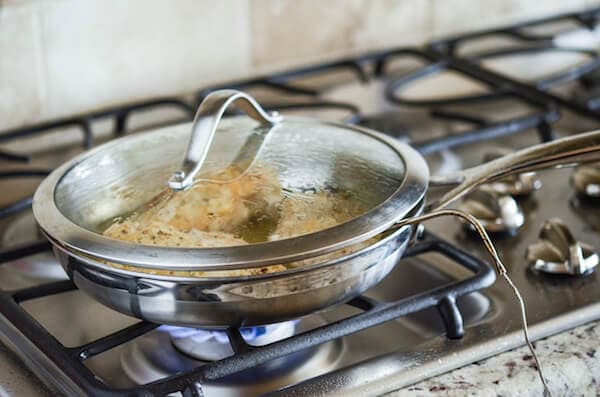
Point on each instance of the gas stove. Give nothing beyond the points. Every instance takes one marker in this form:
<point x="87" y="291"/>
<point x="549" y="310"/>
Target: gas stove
<point x="460" y="101"/>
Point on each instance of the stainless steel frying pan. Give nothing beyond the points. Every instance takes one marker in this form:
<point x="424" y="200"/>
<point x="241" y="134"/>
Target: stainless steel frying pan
<point x="389" y="177"/>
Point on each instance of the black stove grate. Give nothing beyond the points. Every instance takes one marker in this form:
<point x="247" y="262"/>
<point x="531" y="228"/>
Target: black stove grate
<point x="528" y="42"/>
<point x="24" y="203"/>
<point x="523" y="33"/>
<point x="31" y="339"/>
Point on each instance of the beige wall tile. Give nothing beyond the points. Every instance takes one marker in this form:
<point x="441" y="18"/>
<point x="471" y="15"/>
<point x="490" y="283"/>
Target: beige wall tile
<point x="456" y="16"/>
<point x="299" y="31"/>
<point x="392" y="23"/>
<point x="20" y="80"/>
<point x="107" y="51"/>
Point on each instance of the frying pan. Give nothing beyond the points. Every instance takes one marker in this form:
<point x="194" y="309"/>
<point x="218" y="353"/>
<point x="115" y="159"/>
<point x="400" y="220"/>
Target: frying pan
<point x="390" y="177"/>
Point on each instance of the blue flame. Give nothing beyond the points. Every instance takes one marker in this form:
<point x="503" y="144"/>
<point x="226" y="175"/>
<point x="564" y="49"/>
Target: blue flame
<point x="199" y="335"/>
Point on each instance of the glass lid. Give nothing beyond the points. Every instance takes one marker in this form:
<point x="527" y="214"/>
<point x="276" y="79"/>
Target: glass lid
<point x="251" y="181"/>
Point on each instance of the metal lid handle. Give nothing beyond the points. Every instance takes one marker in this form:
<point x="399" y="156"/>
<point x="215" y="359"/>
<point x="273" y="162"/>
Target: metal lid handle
<point x="206" y="121"/>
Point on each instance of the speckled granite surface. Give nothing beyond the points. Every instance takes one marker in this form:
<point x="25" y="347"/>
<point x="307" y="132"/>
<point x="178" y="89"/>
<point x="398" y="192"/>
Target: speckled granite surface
<point x="571" y="361"/>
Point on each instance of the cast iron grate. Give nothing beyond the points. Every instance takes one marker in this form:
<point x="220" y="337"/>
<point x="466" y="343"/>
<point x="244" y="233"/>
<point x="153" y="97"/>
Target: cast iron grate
<point x="527" y="41"/>
<point x="522" y="33"/>
<point x="446" y="55"/>
<point x="31" y="339"/>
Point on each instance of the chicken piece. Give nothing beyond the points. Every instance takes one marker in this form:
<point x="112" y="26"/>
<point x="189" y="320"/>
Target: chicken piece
<point x="223" y="207"/>
<point x="160" y="234"/>
<point x="208" y="215"/>
<point x="209" y="206"/>
<point x="303" y="214"/>
<point x="308" y="213"/>
<point x="164" y="235"/>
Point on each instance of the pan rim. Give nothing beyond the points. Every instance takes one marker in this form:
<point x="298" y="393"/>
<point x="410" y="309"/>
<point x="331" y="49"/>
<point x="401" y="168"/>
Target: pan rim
<point x="291" y="272"/>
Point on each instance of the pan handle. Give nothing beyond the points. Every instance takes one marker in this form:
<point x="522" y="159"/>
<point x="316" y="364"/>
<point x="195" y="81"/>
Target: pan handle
<point x="209" y="114"/>
<point x="568" y="151"/>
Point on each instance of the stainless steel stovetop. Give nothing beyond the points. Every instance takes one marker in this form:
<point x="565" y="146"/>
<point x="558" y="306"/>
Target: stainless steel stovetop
<point x="373" y="361"/>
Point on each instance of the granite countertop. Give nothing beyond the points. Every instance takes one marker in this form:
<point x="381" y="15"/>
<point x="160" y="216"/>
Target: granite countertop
<point x="571" y="362"/>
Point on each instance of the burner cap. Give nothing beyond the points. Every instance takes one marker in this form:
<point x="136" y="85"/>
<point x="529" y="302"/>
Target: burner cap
<point x="557" y="252"/>
<point x="498" y="213"/>
<point x="586" y="180"/>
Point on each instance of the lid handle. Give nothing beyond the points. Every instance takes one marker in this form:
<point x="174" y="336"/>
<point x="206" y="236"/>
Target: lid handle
<point x="205" y="124"/>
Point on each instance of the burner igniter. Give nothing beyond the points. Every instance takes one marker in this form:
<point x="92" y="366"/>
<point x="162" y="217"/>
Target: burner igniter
<point x="499" y="213"/>
<point x="557" y="251"/>
<point x="586" y="180"/>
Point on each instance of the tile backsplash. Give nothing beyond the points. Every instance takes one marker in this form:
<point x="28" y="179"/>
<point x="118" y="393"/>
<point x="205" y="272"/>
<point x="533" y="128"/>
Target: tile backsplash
<point x="291" y="32"/>
<point x="60" y="57"/>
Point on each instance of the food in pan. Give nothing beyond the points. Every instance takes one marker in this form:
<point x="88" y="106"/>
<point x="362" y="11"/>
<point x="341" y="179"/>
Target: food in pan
<point x="152" y="232"/>
<point x="247" y="208"/>
<point x="308" y="213"/>
<point x="208" y="206"/>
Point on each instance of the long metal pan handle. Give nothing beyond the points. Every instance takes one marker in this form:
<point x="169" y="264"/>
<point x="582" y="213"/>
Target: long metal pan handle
<point x="209" y="114"/>
<point x="572" y="150"/>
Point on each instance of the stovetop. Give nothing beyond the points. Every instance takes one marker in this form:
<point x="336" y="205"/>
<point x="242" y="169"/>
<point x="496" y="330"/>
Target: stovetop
<point x="453" y="101"/>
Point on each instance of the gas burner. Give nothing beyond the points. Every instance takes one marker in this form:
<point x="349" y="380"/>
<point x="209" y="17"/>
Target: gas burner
<point x="557" y="252"/>
<point x="515" y="185"/>
<point x="211" y="345"/>
<point x="42" y="266"/>
<point x="499" y="213"/>
<point x="586" y="180"/>
<point x="169" y="350"/>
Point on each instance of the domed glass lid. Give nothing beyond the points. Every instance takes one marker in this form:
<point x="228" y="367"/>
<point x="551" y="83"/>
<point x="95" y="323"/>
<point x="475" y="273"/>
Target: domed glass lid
<point x="261" y="191"/>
